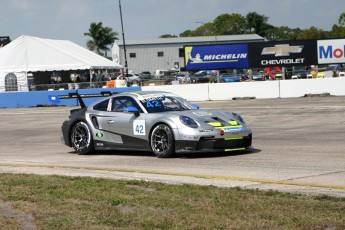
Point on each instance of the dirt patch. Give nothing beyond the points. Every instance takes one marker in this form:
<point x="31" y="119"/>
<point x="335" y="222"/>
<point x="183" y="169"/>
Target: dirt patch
<point x="25" y="220"/>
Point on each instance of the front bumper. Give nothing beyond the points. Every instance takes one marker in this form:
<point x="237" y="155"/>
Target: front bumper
<point x="210" y="144"/>
<point x="65" y="133"/>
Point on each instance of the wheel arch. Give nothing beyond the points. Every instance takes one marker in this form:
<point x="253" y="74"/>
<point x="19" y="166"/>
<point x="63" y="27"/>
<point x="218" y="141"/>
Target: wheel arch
<point x="73" y="124"/>
<point x="167" y="152"/>
<point x="159" y="123"/>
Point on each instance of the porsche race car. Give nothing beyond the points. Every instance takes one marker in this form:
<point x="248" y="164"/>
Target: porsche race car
<point x="156" y="121"/>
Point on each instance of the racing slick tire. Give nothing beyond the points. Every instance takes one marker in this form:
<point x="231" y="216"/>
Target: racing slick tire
<point x="81" y="138"/>
<point x="162" y="141"/>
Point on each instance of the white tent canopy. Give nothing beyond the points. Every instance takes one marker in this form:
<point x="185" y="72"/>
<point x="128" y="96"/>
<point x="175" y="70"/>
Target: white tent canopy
<point x="31" y="54"/>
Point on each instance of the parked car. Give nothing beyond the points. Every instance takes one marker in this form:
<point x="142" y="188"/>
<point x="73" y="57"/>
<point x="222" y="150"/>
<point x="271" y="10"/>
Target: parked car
<point x="299" y="74"/>
<point x="273" y="73"/>
<point x="133" y="78"/>
<point x="200" y="77"/>
<point x="182" y="78"/>
<point x="229" y="77"/>
<point x="257" y="76"/>
<point x="145" y="75"/>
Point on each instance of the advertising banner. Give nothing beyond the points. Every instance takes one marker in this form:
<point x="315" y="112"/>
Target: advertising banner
<point x="4" y="41"/>
<point x="284" y="53"/>
<point x="331" y="51"/>
<point x="216" y="57"/>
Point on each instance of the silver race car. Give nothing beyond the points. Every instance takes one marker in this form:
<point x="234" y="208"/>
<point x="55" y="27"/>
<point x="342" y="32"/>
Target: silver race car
<point x="160" y="122"/>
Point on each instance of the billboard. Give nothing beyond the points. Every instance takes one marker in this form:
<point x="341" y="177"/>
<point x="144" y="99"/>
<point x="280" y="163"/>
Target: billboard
<point x="284" y="53"/>
<point x="215" y="57"/>
<point x="331" y="51"/>
<point x="4" y="41"/>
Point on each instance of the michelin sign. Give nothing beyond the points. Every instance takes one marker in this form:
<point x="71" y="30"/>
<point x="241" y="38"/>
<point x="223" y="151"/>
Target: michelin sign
<point x="216" y="57"/>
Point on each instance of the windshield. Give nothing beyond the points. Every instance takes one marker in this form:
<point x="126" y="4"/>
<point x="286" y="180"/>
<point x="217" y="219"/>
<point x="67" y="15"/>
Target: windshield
<point x="162" y="103"/>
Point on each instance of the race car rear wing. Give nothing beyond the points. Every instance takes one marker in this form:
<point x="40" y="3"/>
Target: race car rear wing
<point x="56" y="98"/>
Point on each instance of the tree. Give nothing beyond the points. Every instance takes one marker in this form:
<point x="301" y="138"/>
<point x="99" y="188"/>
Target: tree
<point x="206" y="29"/>
<point x="186" y="33"/>
<point x="338" y="31"/>
<point x="257" y="23"/>
<point x="101" y="37"/>
<point x="229" y="24"/>
<point x="341" y="20"/>
<point x="168" y="36"/>
<point x="282" y="33"/>
<point x="312" y="33"/>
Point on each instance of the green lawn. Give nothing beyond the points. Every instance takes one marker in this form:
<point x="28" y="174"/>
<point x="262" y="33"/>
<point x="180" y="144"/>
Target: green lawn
<point x="56" y="202"/>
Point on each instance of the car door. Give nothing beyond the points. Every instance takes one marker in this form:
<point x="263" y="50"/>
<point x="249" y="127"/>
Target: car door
<point x="125" y="127"/>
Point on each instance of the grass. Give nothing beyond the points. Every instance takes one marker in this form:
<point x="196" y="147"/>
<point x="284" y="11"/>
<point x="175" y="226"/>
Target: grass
<point x="57" y="202"/>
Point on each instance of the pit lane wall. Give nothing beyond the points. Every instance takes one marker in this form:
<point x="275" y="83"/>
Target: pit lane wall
<point x="259" y="89"/>
<point x="41" y="98"/>
<point x="193" y="92"/>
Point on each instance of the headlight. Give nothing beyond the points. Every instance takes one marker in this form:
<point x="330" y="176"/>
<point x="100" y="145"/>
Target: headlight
<point x="187" y="121"/>
<point x="238" y="117"/>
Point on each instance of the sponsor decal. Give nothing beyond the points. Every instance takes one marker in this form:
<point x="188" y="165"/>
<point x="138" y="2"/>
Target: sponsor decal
<point x="231" y="129"/>
<point x="99" y="144"/>
<point x="282" y="62"/>
<point x="287" y="53"/>
<point x="4" y="41"/>
<point x="281" y="50"/>
<point x="202" y="113"/>
<point x="54" y="99"/>
<point x="110" y="103"/>
<point x="100" y="135"/>
<point x="331" y="51"/>
<point x="139" y="127"/>
<point x="216" y="57"/>
<point x="205" y="130"/>
<point x="188" y="137"/>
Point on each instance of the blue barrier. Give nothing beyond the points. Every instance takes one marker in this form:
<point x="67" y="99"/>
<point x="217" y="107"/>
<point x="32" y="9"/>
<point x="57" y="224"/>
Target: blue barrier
<point x="41" y="98"/>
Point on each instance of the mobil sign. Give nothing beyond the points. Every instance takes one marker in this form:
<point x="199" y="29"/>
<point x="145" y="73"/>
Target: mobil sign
<point x="331" y="51"/>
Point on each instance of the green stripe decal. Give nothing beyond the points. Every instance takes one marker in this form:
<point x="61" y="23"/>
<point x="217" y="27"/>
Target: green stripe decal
<point x="231" y="127"/>
<point x="233" y="138"/>
<point x="215" y="124"/>
<point x="238" y="149"/>
<point x="233" y="122"/>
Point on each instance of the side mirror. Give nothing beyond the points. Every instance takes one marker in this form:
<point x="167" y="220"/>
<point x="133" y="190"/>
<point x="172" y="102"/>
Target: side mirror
<point x="195" y="106"/>
<point x="132" y="109"/>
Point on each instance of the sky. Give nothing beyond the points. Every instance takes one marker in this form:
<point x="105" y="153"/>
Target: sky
<point x="148" y="19"/>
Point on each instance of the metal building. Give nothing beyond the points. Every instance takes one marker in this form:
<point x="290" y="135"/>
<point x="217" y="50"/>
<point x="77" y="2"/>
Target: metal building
<point x="167" y="53"/>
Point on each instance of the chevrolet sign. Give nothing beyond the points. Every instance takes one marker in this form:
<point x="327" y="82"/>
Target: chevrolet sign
<point x="282" y="53"/>
<point x="281" y="50"/>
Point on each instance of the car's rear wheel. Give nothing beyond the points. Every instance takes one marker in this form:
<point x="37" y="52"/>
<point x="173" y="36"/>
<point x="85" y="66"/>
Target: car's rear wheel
<point x="162" y="141"/>
<point x="81" y="138"/>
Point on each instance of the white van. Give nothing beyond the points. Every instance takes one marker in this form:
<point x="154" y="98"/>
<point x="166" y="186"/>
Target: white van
<point x="159" y="73"/>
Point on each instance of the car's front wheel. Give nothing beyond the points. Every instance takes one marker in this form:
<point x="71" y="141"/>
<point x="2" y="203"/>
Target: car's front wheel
<point x="162" y="141"/>
<point x="81" y="138"/>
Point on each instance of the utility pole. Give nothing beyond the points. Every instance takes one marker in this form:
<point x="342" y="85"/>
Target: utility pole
<point x="124" y="43"/>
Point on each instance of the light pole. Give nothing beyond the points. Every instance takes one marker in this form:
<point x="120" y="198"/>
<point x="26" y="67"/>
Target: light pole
<point x="123" y="37"/>
<point x="202" y="25"/>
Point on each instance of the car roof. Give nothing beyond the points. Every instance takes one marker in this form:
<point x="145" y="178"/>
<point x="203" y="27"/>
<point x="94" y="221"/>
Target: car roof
<point x="146" y="93"/>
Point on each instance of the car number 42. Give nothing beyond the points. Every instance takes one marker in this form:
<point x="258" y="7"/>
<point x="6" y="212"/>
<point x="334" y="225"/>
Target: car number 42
<point x="139" y="127"/>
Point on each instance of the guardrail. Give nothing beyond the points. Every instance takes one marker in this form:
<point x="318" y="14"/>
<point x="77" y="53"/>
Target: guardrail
<point x="196" y="92"/>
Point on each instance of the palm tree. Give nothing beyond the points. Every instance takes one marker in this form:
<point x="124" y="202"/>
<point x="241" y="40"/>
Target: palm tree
<point x="101" y="37"/>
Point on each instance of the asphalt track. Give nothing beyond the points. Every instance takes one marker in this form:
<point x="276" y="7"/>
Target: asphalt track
<point x="299" y="147"/>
